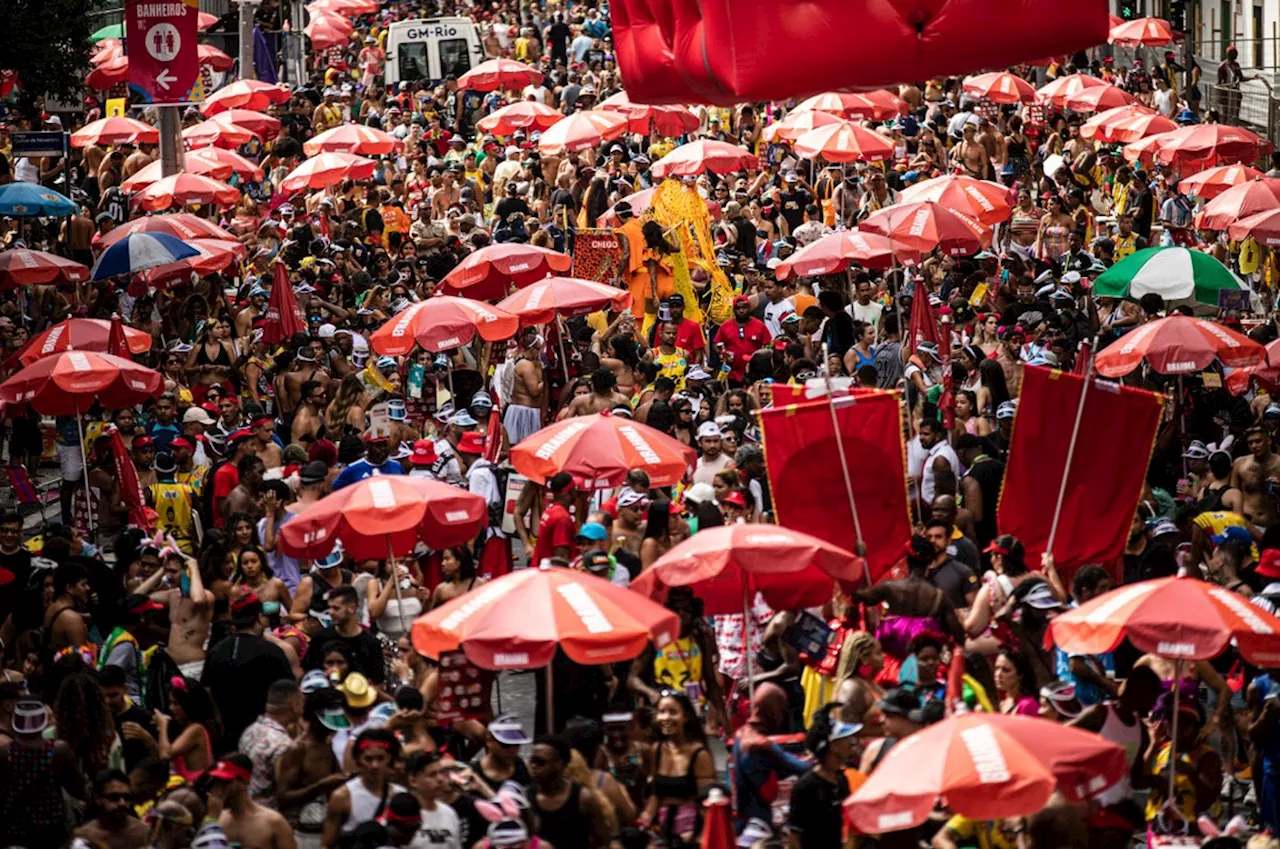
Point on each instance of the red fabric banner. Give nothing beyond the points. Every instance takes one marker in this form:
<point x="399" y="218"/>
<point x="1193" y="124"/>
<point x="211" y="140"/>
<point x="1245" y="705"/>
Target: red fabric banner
<point x="284" y="317"/>
<point x="923" y="324"/>
<point x="130" y="486"/>
<point x="1104" y="483"/>
<point x="807" y="479"/>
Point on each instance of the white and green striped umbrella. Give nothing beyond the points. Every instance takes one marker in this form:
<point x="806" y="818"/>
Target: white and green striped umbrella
<point x="1175" y="274"/>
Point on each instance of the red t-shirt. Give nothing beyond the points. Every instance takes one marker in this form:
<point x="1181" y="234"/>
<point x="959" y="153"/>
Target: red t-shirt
<point x="555" y="530"/>
<point x="742" y="340"/>
<point x="689" y="336"/>
<point x="225" y="479"/>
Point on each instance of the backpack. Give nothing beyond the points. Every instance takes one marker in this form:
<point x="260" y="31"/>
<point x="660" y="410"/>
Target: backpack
<point x="156" y="672"/>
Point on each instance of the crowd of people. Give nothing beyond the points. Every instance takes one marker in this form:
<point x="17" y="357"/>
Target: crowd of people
<point x="190" y="684"/>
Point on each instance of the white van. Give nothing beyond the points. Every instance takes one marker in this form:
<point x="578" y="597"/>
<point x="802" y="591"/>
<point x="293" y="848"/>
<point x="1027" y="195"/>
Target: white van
<point x="431" y="49"/>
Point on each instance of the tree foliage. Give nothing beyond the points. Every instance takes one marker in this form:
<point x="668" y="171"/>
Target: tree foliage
<point x="47" y="45"/>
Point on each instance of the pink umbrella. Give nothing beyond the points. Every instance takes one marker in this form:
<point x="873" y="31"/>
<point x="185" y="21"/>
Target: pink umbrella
<point x="844" y="142"/>
<point x="353" y="138"/>
<point x="153" y="172"/>
<point x="797" y="123"/>
<point x="695" y="157"/>
<point x="208" y="133"/>
<point x="214" y="58"/>
<point x="257" y="122"/>
<point x="500" y="74"/>
<point x="328" y="30"/>
<point x="327" y="169"/>
<point x="565" y="297"/>
<point x="1099" y="98"/>
<point x="221" y="156"/>
<point x="580" y="131"/>
<point x="244" y="94"/>
<point x="185" y="189"/>
<point x="1000" y="87"/>
<point x="115" y="130"/>
<point x="524" y="115"/>
<point x="647" y="119"/>
<point x="1062" y="88"/>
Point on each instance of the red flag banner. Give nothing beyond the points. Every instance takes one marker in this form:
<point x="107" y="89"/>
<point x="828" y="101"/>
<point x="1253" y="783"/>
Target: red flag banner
<point x="1113" y="448"/>
<point x="130" y="486"/>
<point x="807" y="479"/>
<point x="923" y="324"/>
<point x="284" y="317"/>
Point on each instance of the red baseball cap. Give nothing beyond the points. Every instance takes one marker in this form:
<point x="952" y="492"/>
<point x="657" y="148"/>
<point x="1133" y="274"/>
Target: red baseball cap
<point x="182" y="442"/>
<point x="736" y="498"/>
<point x="424" y="453"/>
<point x="227" y="771"/>
<point x="143" y="441"/>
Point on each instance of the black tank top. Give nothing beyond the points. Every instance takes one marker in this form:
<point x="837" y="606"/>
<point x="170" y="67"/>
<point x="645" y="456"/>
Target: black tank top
<point x="1211" y="502"/>
<point x="683" y="787"/>
<point x="746" y="241"/>
<point x="566" y="826"/>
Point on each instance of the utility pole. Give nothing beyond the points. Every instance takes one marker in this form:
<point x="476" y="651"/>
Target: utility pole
<point x="246" y="8"/>
<point x="172" y="160"/>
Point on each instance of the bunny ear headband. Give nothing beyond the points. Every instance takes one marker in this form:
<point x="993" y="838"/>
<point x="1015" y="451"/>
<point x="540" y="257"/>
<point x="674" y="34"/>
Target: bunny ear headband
<point x="508" y="804"/>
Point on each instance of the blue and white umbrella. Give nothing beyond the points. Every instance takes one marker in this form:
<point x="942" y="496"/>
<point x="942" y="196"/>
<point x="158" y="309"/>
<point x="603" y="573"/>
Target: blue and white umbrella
<point x="28" y="200"/>
<point x="140" y="251"/>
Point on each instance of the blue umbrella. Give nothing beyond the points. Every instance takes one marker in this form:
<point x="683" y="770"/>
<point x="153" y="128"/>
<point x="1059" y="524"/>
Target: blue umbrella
<point x="140" y="251"/>
<point x="27" y="200"/>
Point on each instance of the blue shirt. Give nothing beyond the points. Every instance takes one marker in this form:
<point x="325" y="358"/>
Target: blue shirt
<point x="164" y="435"/>
<point x="361" y="469"/>
<point x="1087" y="693"/>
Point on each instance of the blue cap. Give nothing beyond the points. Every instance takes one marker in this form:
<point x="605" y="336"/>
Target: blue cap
<point x="593" y="531"/>
<point x="911" y="176"/>
<point x="462" y="419"/>
<point x="385" y="362"/>
<point x="1235" y="532"/>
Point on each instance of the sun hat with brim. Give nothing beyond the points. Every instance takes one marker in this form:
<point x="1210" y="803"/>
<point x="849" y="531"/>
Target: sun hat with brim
<point x="1062" y="695"/>
<point x="507" y="833"/>
<point x="843" y="730"/>
<point x="1006" y="410"/>
<point x="508" y="730"/>
<point x="29" y="717"/>
<point x="314" y="681"/>
<point x="630" y="498"/>
<point x="335" y="719"/>
<point x="357" y="691"/>
<point x="471" y="443"/>
<point x="424" y="453"/>
<point x="709" y="430"/>
<point x="1196" y="451"/>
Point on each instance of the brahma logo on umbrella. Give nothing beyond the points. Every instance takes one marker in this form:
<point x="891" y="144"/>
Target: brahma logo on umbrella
<point x="637" y="442"/>
<point x="984" y="750"/>
<point x="555" y="443"/>
<point x="51" y="341"/>
<point x="586" y="608"/>
<point x="1245" y="610"/>
<point x="475" y="604"/>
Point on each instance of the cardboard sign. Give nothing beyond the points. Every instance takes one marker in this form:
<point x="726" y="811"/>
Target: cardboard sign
<point x="380" y="421"/>
<point x="515" y="485"/>
<point x="460" y="693"/>
<point x="597" y="255"/>
<point x="115" y="107"/>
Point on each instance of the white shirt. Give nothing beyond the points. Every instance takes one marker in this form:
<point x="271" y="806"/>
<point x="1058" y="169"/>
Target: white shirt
<point x="920" y="465"/>
<point x="25" y="170"/>
<point x="869" y="313"/>
<point x="539" y="93"/>
<point x="1165" y="102"/>
<point x="440" y="829"/>
<point x="775" y="313"/>
<point x="706" y="471"/>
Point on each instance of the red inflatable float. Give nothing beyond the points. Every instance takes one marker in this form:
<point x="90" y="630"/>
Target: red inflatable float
<point x="728" y="51"/>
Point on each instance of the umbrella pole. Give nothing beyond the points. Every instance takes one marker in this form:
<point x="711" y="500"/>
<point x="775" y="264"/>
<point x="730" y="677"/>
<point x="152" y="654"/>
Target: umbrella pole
<point x="551" y="707"/>
<point x="564" y="361"/>
<point x="859" y="547"/>
<point x="746" y="638"/>
<point x="1071" y="453"/>
<point x="395" y="580"/>
<point x="1173" y="734"/>
<point x="1182" y="427"/>
<point x="84" y="462"/>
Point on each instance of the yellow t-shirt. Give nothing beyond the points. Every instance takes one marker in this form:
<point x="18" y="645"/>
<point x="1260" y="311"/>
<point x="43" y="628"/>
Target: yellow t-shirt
<point x="672" y="365"/>
<point x="985" y="834"/>
<point x="678" y="666"/>
<point x="172" y="503"/>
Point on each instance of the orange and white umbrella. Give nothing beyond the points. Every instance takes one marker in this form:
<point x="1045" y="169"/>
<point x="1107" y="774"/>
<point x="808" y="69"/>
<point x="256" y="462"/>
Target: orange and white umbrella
<point x="115" y="130"/>
<point x="844" y="142"/>
<point x="108" y="48"/>
<point x="343" y="7"/>
<point x="440" y="323"/>
<point x="79" y="334"/>
<point x="1239" y="201"/>
<point x="327" y="169"/>
<point x="153" y="172"/>
<point x="213" y="255"/>
<point x="328" y="30"/>
<point x="1143" y="149"/>
<point x="185" y="190"/>
<point x="1062" y="88"/>
<point x="927" y="226"/>
<point x="1142" y="32"/>
<point x="180" y="225"/>
<point x="221" y="156"/>
<point x="838" y="250"/>
<point x="385" y="514"/>
<point x="650" y="119"/>
<point x="694" y="158"/>
<point x="523" y="115"/>
<point x="1114" y="125"/>
<point x="599" y="451"/>
<point x="355" y="139"/>
<point x="1099" y="98"/>
<point x="208" y="133"/>
<point x="204" y="20"/>
<point x="25" y="267"/>
<point x="1210" y="144"/>
<point x="490" y="271"/>
<point x="520" y="620"/>
<point x="566" y="297"/>
<point x="797" y="123"/>
<point x="580" y="131"/>
<point x="214" y="58"/>
<point x="1000" y="87"/>
<point x="500" y="74"/>
<point x="879" y="105"/>
<point x="244" y="94"/>
<point x="986" y="201"/>
<point x="257" y="122"/>
<point x="1211" y="182"/>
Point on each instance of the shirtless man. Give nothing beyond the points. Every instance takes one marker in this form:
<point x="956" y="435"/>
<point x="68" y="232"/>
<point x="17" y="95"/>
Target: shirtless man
<point x="628" y="530"/>
<point x="190" y="612"/>
<point x="139" y="159"/>
<point x="304" y="370"/>
<point x="914" y="596"/>
<point x="340" y="354"/>
<point x="970" y="155"/>
<point x="308" y="417"/>
<point x="263" y="446"/>
<point x="77" y="232"/>
<point x="247" y="495"/>
<point x="246" y="823"/>
<point x="523" y="416"/>
<point x="115" y="826"/>
<point x="64" y="625"/>
<point x="603" y="396"/>
<point x="308" y="771"/>
<point x="247" y="316"/>
<point x="1257" y="476"/>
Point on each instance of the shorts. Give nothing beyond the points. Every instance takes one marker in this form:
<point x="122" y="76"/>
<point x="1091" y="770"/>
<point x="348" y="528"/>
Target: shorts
<point x="307" y="841"/>
<point x="1026" y="253"/>
<point x="192" y="669"/>
<point x="71" y="461"/>
<point x="495" y="557"/>
<point x="521" y="422"/>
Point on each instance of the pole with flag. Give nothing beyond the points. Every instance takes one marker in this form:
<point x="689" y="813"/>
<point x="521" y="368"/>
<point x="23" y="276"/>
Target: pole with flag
<point x="116" y="343"/>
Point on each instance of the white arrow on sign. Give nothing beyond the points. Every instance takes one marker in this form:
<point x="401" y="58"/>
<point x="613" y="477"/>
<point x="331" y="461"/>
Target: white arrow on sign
<point x="164" y="78"/>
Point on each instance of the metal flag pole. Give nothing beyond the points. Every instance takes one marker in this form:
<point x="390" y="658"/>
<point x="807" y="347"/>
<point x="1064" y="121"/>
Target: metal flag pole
<point x="859" y="540"/>
<point x="84" y="465"/>
<point x="1071" y="453"/>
